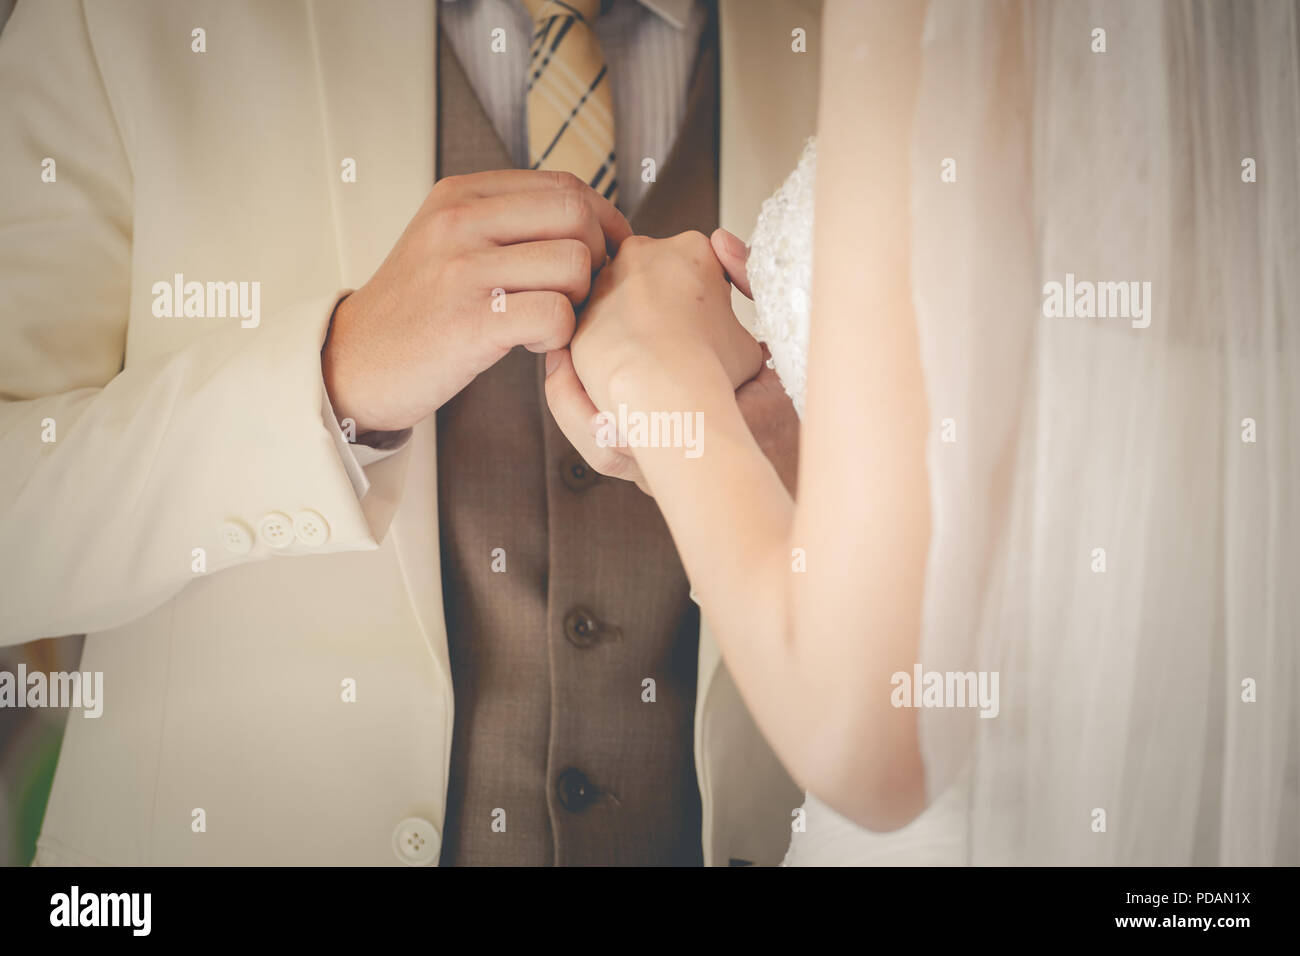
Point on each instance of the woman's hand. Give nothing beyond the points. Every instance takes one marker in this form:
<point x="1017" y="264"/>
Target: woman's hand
<point x="658" y="334"/>
<point x="733" y="256"/>
<point x="768" y="410"/>
<point x="661" y="310"/>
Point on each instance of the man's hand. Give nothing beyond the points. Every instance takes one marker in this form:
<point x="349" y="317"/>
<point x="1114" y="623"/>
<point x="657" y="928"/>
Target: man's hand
<point x="773" y="422"/>
<point x="526" y="241"/>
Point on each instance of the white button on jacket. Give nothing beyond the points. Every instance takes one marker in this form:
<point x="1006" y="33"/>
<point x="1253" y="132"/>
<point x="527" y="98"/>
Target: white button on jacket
<point x="236" y="536"/>
<point x="311" y="528"/>
<point x="276" y="530"/>
<point x="416" y="842"/>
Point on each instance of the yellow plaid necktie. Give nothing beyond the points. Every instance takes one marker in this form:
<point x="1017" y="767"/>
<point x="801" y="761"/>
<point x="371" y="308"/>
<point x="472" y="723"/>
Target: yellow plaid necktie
<point x="569" y="102"/>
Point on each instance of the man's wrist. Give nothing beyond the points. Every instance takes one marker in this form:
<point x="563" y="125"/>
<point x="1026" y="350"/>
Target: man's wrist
<point x="333" y="377"/>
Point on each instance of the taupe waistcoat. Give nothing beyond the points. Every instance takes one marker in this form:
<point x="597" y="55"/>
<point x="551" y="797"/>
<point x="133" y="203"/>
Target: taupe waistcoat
<point x="558" y="757"/>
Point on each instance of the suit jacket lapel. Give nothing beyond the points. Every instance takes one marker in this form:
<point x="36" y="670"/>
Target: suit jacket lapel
<point x="360" y="48"/>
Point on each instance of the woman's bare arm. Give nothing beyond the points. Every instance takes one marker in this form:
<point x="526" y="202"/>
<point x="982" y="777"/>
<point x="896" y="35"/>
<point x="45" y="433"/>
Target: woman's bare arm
<point x="812" y="651"/>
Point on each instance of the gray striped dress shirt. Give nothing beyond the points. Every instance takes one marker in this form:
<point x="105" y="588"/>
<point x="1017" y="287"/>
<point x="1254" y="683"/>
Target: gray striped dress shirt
<point x="650" y="47"/>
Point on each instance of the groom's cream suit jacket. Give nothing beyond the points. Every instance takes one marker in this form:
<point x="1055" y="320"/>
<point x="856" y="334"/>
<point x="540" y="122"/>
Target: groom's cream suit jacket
<point x="197" y="514"/>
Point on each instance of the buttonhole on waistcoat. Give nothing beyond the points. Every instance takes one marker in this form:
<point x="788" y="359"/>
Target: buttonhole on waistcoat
<point x="600" y="631"/>
<point x="609" y="794"/>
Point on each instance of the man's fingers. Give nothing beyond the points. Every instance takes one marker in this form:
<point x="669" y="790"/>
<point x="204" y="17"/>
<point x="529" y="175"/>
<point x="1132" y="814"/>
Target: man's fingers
<point x="530" y="216"/>
<point x="772" y="421"/>
<point x="554" y="265"/>
<point x="766" y="373"/>
<point x="539" y="321"/>
<point x="498" y="182"/>
<point x="574" y="411"/>
<point x="732" y="255"/>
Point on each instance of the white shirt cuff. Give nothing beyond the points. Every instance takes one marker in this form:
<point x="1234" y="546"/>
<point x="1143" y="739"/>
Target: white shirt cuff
<point x="357" y="456"/>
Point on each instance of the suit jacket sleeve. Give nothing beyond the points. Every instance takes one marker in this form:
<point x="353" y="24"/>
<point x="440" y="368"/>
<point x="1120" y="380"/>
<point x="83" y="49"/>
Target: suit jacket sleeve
<point x="151" y="460"/>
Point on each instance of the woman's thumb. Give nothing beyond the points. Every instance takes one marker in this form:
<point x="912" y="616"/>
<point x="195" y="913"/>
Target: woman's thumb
<point x="732" y="253"/>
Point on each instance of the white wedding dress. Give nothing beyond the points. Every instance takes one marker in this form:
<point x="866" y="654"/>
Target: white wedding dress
<point x="1116" y="520"/>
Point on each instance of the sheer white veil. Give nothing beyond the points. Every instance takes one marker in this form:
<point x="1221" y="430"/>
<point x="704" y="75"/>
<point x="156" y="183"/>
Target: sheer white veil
<point x="1161" y="691"/>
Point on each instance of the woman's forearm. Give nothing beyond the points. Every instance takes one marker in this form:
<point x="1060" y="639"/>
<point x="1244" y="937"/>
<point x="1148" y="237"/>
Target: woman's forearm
<point x="815" y="607"/>
<point x="730" y="517"/>
<point x="733" y="523"/>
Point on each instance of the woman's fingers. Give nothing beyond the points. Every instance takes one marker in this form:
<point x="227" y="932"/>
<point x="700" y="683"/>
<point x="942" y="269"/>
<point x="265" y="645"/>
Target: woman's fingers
<point x="733" y="255"/>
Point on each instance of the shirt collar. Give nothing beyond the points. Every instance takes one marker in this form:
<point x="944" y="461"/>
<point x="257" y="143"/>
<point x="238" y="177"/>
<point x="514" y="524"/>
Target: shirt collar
<point x="674" y="12"/>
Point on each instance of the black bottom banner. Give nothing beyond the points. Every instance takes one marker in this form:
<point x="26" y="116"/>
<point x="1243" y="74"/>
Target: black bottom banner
<point x="810" y="907"/>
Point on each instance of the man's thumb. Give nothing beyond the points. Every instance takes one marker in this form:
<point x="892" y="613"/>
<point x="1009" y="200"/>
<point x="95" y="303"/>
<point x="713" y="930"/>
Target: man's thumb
<point x="732" y="253"/>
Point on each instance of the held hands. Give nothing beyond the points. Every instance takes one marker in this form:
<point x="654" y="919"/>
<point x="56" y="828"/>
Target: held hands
<point x="423" y="327"/>
<point x="661" y="309"/>
<point x="659" y="334"/>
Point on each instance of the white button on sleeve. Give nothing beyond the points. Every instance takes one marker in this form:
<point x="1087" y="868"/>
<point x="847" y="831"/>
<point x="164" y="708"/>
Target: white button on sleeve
<point x="236" y="536"/>
<point x="276" y="529"/>
<point x="416" y="842"/>
<point x="311" y="528"/>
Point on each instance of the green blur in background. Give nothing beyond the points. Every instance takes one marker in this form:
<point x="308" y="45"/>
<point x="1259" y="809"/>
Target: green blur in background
<point x="29" y="749"/>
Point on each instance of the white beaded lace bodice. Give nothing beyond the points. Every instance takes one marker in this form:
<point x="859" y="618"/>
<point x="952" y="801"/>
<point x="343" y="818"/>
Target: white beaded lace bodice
<point x="780" y="274"/>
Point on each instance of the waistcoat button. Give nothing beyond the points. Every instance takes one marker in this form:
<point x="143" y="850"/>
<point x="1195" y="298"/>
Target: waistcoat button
<point x="574" y="790"/>
<point x="576" y="474"/>
<point x="581" y="627"/>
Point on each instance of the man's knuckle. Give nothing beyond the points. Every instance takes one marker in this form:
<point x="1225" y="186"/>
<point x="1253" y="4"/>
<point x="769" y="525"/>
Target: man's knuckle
<point x="448" y="218"/>
<point x="566" y="181"/>
<point x="574" y="210"/>
<point x="557" y="317"/>
<point x="579" y="260"/>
